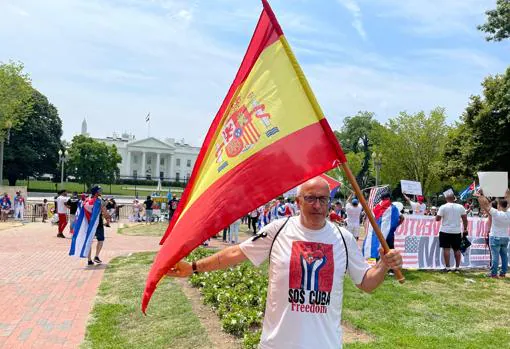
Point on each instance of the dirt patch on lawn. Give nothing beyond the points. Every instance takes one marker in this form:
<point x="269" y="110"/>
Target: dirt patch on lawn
<point x="353" y="335"/>
<point x="208" y="319"/>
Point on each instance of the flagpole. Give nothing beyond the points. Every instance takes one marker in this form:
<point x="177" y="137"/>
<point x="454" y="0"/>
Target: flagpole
<point x="328" y="131"/>
<point x="350" y="177"/>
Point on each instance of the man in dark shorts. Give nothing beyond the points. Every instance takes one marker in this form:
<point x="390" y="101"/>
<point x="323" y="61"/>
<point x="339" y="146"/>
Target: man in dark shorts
<point x="450" y="215"/>
<point x="96" y="193"/>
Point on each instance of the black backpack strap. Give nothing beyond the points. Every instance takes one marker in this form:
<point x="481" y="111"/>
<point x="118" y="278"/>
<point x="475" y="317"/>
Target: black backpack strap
<point x="345" y="246"/>
<point x="276" y="235"/>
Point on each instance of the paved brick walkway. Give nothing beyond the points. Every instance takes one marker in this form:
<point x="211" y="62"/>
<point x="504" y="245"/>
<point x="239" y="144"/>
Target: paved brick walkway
<point x="45" y="295"/>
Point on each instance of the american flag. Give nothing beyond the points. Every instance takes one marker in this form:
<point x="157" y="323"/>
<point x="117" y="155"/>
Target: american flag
<point x="375" y="195"/>
<point x="408" y="247"/>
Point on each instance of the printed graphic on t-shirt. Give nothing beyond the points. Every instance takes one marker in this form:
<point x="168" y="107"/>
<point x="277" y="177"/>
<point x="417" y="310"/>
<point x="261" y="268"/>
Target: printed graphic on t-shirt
<point x="311" y="276"/>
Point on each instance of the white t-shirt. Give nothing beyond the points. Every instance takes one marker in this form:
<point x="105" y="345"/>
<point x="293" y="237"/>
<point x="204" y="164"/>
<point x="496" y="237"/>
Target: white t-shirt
<point x="353" y="213"/>
<point x="500" y="223"/>
<point x="305" y="290"/>
<point x="418" y="209"/>
<point x="451" y="217"/>
<point x="61" y="207"/>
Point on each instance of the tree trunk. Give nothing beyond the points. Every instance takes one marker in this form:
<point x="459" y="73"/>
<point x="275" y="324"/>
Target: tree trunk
<point x="12" y="180"/>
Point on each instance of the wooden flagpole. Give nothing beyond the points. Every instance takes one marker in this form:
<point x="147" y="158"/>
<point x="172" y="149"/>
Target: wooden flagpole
<point x="350" y="177"/>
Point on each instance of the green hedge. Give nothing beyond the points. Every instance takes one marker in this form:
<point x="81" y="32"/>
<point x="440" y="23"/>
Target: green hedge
<point x="237" y="294"/>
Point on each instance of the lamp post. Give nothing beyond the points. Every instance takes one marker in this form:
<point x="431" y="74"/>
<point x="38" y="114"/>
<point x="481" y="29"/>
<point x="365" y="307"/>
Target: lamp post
<point x="62" y="156"/>
<point x="377" y="158"/>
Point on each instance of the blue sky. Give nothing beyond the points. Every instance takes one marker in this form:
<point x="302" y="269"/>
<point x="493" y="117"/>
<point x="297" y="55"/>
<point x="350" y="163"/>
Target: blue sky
<point x="113" y="61"/>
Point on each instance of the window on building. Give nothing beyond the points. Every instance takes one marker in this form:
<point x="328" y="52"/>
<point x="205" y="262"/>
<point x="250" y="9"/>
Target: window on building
<point x="135" y="173"/>
<point x="162" y="175"/>
<point x="135" y="159"/>
<point x="177" y="176"/>
<point x="177" y="162"/>
<point x="188" y="163"/>
<point x="162" y="162"/>
<point x="149" y="161"/>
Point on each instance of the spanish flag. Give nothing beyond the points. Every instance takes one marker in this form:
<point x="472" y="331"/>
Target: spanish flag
<point x="268" y="136"/>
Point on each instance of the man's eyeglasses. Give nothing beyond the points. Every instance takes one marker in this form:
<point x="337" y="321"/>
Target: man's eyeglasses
<point x="310" y="199"/>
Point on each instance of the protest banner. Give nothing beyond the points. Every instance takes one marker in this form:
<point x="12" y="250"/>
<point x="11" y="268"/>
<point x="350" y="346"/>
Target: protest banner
<point x="417" y="238"/>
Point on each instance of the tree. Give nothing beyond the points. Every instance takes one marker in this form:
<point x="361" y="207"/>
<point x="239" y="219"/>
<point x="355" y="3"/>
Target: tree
<point x="15" y="102"/>
<point x="15" y="96"/>
<point x="32" y="148"/>
<point x="356" y="136"/>
<point x="92" y="161"/>
<point x="497" y="26"/>
<point x="481" y="141"/>
<point x="411" y="146"/>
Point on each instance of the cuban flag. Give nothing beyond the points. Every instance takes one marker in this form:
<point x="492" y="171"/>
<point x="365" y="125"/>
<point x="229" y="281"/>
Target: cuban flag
<point x="85" y="227"/>
<point x="470" y="189"/>
<point x="387" y="218"/>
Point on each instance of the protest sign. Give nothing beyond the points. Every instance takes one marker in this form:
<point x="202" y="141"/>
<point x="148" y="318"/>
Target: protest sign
<point x="411" y="187"/>
<point x="493" y="184"/>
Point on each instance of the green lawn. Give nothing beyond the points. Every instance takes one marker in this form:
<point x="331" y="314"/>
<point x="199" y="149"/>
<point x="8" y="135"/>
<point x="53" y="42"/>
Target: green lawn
<point x="114" y="189"/>
<point x="137" y="229"/>
<point x="158" y="229"/>
<point x="432" y="310"/>
<point x="116" y="319"/>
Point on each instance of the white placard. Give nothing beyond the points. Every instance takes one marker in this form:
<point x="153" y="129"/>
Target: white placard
<point x="449" y="192"/>
<point x="493" y="183"/>
<point x="411" y="187"/>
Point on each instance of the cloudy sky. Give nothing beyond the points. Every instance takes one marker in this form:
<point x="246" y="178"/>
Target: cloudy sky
<point x="113" y="61"/>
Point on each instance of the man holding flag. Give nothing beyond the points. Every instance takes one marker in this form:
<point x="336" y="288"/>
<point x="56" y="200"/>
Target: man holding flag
<point x="308" y="258"/>
<point x="260" y="156"/>
<point x="89" y="224"/>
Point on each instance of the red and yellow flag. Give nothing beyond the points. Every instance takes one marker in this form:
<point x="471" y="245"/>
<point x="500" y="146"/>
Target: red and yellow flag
<point x="268" y="136"/>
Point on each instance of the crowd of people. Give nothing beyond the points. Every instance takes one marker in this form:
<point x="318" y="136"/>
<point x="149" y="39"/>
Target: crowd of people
<point x="16" y="207"/>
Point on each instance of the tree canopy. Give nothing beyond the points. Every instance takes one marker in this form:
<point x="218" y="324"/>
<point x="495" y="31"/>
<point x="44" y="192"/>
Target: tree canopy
<point x="497" y="26"/>
<point x="32" y="148"/>
<point x="92" y="161"/>
<point x="481" y="141"/>
<point x="15" y="96"/>
<point x="356" y="138"/>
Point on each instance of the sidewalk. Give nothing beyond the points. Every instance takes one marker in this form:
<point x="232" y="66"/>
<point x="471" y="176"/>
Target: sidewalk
<point x="46" y="295"/>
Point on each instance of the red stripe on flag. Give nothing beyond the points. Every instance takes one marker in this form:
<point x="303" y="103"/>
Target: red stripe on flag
<point x="294" y="158"/>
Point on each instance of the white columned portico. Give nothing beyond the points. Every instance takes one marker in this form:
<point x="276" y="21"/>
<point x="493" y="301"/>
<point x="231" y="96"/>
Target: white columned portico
<point x="171" y="166"/>
<point x="143" y="165"/>
<point x="158" y="159"/>
<point x="128" y="164"/>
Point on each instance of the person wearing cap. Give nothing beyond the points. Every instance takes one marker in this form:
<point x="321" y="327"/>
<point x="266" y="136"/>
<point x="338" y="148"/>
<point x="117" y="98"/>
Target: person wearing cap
<point x="417" y="207"/>
<point x="72" y="203"/>
<point x="95" y="194"/>
<point x="19" y="206"/>
<point x="353" y="211"/>
<point x="450" y="215"/>
<point x="61" y="203"/>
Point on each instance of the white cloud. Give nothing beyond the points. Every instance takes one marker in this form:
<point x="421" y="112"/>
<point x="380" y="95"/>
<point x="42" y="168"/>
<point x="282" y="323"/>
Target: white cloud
<point x="353" y="7"/>
<point x="435" y="17"/>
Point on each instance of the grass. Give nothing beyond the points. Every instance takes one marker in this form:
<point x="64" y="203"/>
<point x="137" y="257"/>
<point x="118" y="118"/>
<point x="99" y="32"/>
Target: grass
<point x="114" y="189"/>
<point x="139" y="229"/>
<point x="432" y="310"/>
<point x="116" y="319"/>
<point x="158" y="229"/>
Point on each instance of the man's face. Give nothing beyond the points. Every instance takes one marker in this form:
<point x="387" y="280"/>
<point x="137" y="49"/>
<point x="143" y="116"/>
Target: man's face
<point x="309" y="201"/>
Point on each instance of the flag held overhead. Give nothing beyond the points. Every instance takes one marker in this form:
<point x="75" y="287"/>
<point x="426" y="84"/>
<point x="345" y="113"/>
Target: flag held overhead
<point x="268" y="136"/>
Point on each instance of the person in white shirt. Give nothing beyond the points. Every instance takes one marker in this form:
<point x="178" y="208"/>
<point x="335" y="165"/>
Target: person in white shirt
<point x="498" y="236"/>
<point x="353" y="211"/>
<point x="450" y="216"/>
<point x="308" y="258"/>
<point x="418" y="207"/>
<point x="62" y="212"/>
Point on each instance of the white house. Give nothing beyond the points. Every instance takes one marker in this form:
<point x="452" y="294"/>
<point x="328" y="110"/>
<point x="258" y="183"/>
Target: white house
<point x="152" y="158"/>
